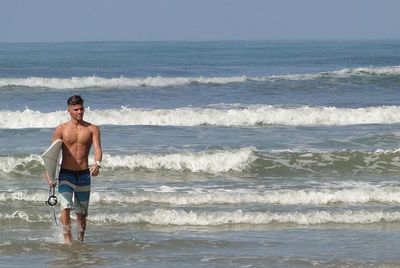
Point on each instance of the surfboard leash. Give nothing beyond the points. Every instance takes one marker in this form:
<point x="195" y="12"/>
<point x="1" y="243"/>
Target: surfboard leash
<point x="52" y="201"/>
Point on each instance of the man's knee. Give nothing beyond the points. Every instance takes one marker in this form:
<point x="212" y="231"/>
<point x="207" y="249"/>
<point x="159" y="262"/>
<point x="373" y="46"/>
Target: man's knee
<point x="65" y="212"/>
<point x="81" y="216"/>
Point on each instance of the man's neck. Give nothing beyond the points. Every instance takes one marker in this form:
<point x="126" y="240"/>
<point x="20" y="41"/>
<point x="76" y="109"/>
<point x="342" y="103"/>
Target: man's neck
<point x="75" y="122"/>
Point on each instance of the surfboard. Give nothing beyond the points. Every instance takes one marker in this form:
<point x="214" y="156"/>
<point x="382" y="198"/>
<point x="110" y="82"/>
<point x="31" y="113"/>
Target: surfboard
<point x="52" y="158"/>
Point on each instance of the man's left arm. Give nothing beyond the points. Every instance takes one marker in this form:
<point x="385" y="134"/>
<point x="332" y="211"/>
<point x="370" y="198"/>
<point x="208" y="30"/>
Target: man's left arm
<point x="98" y="152"/>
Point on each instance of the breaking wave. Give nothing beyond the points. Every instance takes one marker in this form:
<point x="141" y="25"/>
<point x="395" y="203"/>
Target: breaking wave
<point x="180" y="217"/>
<point x="246" y="159"/>
<point x="188" y="116"/>
<point x="208" y="161"/>
<point x="324" y="195"/>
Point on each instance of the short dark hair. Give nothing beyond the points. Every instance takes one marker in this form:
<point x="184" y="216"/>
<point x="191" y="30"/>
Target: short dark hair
<point x="74" y="100"/>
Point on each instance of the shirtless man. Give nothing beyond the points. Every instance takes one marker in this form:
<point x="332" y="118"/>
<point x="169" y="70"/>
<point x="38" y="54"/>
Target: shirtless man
<point x="78" y="136"/>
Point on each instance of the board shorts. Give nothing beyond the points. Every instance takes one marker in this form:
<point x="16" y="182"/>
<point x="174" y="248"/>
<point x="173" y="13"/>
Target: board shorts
<point x="74" y="190"/>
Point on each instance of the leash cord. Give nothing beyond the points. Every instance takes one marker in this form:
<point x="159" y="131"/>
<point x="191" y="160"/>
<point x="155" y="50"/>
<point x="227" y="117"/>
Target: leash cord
<point x="54" y="215"/>
<point x="52" y="201"/>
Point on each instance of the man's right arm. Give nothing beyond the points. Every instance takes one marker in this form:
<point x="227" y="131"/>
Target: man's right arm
<point x="57" y="134"/>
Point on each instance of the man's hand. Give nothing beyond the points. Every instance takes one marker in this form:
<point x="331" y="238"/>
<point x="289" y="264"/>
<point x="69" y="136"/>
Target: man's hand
<point x="94" y="170"/>
<point x="48" y="180"/>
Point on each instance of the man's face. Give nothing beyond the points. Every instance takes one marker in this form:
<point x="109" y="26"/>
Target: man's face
<point x="76" y="111"/>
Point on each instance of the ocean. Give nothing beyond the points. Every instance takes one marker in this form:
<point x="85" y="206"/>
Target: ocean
<point x="216" y="154"/>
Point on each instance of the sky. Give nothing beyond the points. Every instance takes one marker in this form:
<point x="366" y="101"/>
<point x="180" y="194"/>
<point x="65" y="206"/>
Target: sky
<point x="197" y="20"/>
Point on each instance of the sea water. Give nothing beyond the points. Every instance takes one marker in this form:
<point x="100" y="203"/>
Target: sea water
<point x="216" y="154"/>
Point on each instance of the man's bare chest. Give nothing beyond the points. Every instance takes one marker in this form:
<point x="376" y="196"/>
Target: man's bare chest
<point x="77" y="135"/>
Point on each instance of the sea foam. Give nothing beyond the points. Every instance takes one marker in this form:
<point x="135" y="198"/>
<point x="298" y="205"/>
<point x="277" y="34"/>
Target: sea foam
<point x="180" y="217"/>
<point x="13" y="163"/>
<point x="213" y="161"/>
<point x="246" y="159"/>
<point x="192" y="116"/>
<point x="210" y="161"/>
<point x="325" y="195"/>
<point x="215" y="218"/>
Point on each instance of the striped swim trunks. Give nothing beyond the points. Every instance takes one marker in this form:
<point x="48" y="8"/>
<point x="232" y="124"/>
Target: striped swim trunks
<point x="74" y="190"/>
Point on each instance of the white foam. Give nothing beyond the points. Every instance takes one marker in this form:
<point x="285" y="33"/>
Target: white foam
<point x="245" y="196"/>
<point x="215" y="218"/>
<point x="182" y="217"/>
<point x="323" y="196"/>
<point x="24" y="195"/>
<point x="159" y="81"/>
<point x="31" y="119"/>
<point x="237" y="160"/>
<point x="10" y="163"/>
<point x="250" y="116"/>
<point x="22" y="215"/>
<point x="209" y="161"/>
<point x="213" y="161"/>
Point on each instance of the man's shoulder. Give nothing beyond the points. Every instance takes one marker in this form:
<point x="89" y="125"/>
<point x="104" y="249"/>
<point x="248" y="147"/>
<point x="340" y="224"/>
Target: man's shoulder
<point x="62" y="125"/>
<point x="92" y="127"/>
<point x="88" y="124"/>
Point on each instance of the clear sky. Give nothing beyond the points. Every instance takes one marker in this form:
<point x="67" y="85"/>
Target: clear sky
<point x="153" y="20"/>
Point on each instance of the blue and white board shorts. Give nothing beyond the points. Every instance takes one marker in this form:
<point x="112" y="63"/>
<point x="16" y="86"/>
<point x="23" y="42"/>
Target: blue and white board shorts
<point x="74" y="190"/>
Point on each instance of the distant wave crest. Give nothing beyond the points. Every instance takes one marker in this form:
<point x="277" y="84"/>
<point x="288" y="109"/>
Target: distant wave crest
<point x="160" y="81"/>
<point x="367" y="72"/>
<point x="118" y="82"/>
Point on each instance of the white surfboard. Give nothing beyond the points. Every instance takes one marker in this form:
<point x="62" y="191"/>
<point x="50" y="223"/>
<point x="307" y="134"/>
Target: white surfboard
<point x="52" y="158"/>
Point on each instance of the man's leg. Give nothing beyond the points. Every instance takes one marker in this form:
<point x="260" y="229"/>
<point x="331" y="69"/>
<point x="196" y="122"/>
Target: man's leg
<point x="66" y="223"/>
<point x="65" y="196"/>
<point x="81" y="222"/>
<point x="81" y="202"/>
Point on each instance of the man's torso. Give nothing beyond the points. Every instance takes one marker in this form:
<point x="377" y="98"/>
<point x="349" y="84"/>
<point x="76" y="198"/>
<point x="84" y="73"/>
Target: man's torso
<point x="77" y="142"/>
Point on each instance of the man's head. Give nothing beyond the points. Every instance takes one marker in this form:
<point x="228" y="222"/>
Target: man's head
<point x="75" y="99"/>
<point x="75" y="107"/>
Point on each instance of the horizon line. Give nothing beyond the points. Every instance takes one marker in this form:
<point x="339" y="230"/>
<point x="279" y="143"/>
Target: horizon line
<point x="207" y="41"/>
